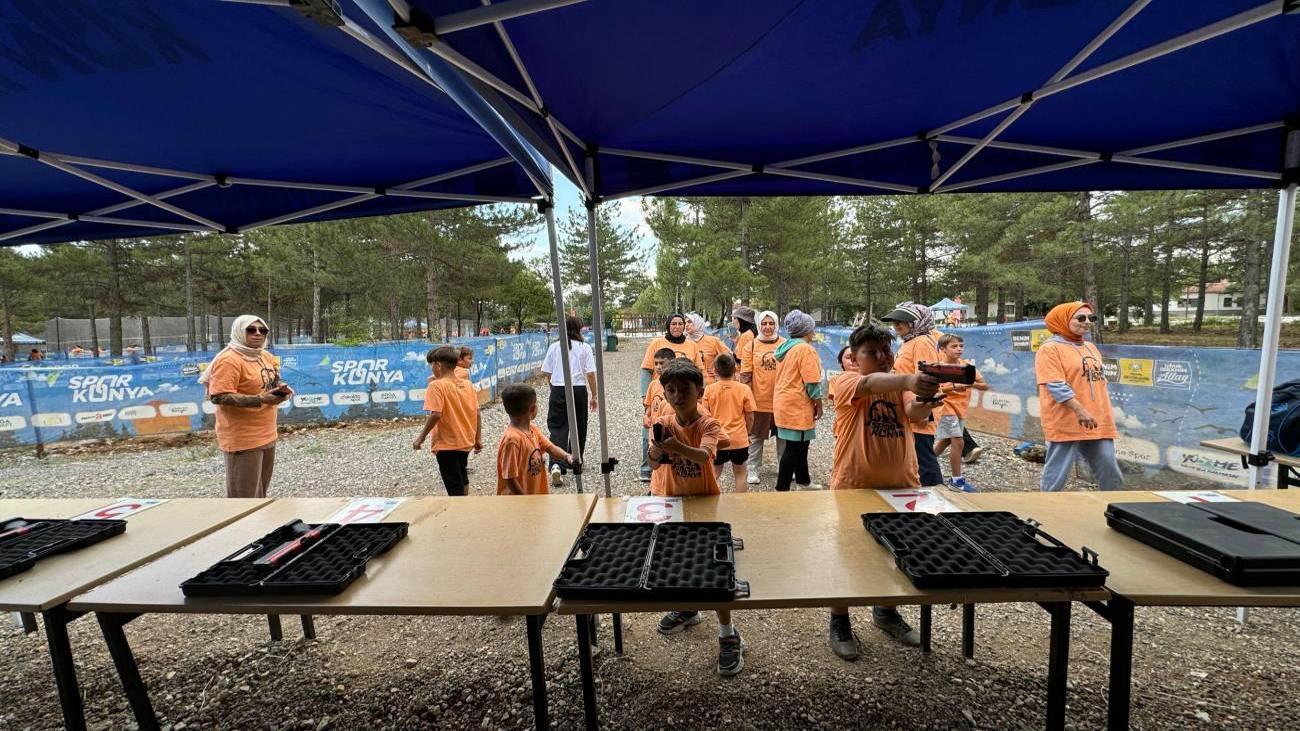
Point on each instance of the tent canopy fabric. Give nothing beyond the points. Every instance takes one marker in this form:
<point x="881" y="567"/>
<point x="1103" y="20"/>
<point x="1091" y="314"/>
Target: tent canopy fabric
<point x="197" y="115"/>
<point x="25" y="339"/>
<point x="816" y="97"/>
<point x="947" y="305"/>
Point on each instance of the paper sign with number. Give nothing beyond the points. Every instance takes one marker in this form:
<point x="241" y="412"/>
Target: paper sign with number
<point x="918" y="501"/>
<point x="366" y="510"/>
<point x="653" y="510"/>
<point x="120" y="509"/>
<point x="1190" y="496"/>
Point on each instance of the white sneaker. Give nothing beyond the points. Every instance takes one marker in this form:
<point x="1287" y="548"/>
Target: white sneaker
<point x="752" y="479"/>
<point x="557" y="479"/>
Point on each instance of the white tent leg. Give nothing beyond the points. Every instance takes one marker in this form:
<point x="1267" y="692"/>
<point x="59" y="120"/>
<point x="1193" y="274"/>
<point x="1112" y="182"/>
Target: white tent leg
<point x="597" y="328"/>
<point x="575" y="444"/>
<point x="1272" y="326"/>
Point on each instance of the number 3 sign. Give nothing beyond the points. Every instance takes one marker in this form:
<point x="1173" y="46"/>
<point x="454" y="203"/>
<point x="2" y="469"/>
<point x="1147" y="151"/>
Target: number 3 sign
<point x="653" y="510"/>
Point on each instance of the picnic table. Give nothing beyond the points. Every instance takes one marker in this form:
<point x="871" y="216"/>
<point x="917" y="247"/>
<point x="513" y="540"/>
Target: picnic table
<point x="1287" y="467"/>
<point x="810" y="549"/>
<point x="1140" y="576"/>
<point x="461" y="556"/>
<point x="46" y="587"/>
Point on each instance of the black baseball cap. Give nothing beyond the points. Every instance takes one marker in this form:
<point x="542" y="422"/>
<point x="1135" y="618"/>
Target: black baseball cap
<point x="899" y="316"/>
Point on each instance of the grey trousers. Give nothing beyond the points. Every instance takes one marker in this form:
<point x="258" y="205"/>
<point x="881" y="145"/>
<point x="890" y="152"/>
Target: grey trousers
<point x="248" y="473"/>
<point x="757" y="439"/>
<point x="1098" y="454"/>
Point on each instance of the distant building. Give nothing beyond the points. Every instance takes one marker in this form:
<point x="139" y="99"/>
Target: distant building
<point x="1221" y="298"/>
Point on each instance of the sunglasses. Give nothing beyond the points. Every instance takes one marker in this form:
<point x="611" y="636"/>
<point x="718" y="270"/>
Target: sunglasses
<point x="1085" y="318"/>
<point x="263" y="331"/>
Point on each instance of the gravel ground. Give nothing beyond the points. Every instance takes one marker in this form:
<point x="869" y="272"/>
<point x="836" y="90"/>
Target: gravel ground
<point x="1193" y="667"/>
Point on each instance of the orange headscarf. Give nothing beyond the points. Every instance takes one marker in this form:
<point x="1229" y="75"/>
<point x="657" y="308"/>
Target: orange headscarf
<point x="1058" y="319"/>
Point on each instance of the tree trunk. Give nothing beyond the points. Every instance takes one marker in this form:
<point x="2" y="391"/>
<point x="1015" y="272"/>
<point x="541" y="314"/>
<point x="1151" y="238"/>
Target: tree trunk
<point x="1148" y="312"/>
<point x="458" y="320"/>
<point x="430" y="299"/>
<point x="1089" y="275"/>
<point x="1201" y="282"/>
<point x="203" y="331"/>
<point x="113" y="254"/>
<point x="221" y="328"/>
<point x="11" y="352"/>
<point x="982" y="302"/>
<point x="190" y="340"/>
<point x="395" y="317"/>
<point x="145" y="335"/>
<point x="1166" y="288"/>
<point x="315" y="295"/>
<point x="1125" y="276"/>
<point x="1247" y="327"/>
<point x="1020" y="302"/>
<point x="1002" y="307"/>
<point x="270" y="315"/>
<point x="744" y="251"/>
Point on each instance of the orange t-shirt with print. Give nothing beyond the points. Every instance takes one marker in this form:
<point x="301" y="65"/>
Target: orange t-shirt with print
<point x="729" y="402"/>
<point x="462" y="373"/>
<point x="759" y="360"/>
<point x="454" y="399"/>
<point x="791" y="407"/>
<point x="654" y="402"/>
<point x="688" y="349"/>
<point x="521" y="456"/>
<point x="1080" y="367"/>
<point x="955" y="403"/>
<point x="675" y="477"/>
<point x="240" y="428"/>
<point x="710" y="348"/>
<point x="743" y="341"/>
<point x="873" y="438"/>
<point x="922" y="348"/>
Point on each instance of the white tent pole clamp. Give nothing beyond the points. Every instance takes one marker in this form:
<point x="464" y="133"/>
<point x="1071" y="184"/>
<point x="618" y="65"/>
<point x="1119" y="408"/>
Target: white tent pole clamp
<point x="598" y="326"/>
<point x="1259" y="456"/>
<point x="575" y="444"/>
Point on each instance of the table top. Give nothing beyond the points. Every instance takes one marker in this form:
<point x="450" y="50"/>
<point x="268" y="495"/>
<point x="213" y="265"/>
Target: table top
<point x="462" y="555"/>
<point x="810" y="549"/>
<point x="1234" y="445"/>
<point x="149" y="534"/>
<point x="1139" y="572"/>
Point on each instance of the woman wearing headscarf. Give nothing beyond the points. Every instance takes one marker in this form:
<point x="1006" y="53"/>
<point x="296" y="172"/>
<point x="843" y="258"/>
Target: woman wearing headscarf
<point x="758" y="369"/>
<point x="243" y="381"/>
<point x="1074" y="401"/>
<point x="915" y="325"/>
<point x="675" y="340"/>
<point x="708" y="346"/>
<point x="797" y="402"/>
<point x="582" y="366"/>
<point x="742" y="317"/>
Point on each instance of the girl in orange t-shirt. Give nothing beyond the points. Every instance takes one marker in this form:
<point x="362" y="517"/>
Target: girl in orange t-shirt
<point x="708" y="346"/>
<point x="746" y="329"/>
<point x="758" y="368"/>
<point x="1074" y="401"/>
<point x="797" y="403"/>
<point x="683" y="347"/>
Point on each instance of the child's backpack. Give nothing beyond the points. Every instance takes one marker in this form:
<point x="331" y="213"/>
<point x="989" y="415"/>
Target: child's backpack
<point x="1283" y="420"/>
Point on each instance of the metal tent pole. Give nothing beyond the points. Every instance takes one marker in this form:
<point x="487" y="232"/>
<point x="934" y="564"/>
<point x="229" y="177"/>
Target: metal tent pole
<point x="575" y="444"/>
<point x="597" y="327"/>
<point x="1273" y="319"/>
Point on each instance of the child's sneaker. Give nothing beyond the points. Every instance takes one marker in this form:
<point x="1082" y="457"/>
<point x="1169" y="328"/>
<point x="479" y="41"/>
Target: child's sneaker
<point x="674" y="622"/>
<point x="731" y="655"/>
<point x="961" y="484"/>
<point x="557" y="478"/>
<point x="752" y="479"/>
<point x="843" y="643"/>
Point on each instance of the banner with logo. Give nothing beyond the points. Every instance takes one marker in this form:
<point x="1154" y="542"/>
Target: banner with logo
<point x="59" y="403"/>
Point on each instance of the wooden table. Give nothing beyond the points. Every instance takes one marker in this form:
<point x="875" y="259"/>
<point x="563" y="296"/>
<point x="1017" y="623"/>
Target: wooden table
<point x="810" y="549"/>
<point x="1287" y="467"/>
<point x="483" y="555"/>
<point x="1139" y="574"/>
<point x="47" y="586"/>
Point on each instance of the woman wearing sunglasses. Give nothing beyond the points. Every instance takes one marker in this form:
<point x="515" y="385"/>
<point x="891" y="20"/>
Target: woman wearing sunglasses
<point x="244" y="383"/>
<point x="1074" y="401"/>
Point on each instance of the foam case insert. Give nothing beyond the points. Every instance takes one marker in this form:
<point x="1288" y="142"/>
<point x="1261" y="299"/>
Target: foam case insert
<point x="644" y="561"/>
<point x="297" y="558"/>
<point x="981" y="550"/>
<point x="47" y="537"/>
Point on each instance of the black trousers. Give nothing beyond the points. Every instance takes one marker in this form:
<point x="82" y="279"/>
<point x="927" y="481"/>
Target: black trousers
<point x="557" y="420"/>
<point x="793" y="466"/>
<point x="453" y="465"/>
<point x="967" y="442"/>
<point x="926" y="460"/>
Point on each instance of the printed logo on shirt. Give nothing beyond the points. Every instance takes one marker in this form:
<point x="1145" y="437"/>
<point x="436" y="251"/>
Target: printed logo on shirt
<point x="685" y="469"/>
<point x="1093" y="370"/>
<point x="536" y="462"/>
<point x="767" y="362"/>
<point x="882" y="418"/>
<point x="682" y="354"/>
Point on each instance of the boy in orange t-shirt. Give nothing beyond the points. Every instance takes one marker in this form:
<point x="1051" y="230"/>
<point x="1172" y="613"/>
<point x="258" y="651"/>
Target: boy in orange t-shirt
<point x="465" y="362"/>
<point x="453" y="419"/>
<point x="874" y="414"/>
<point x="732" y="404"/>
<point x="654" y="403"/>
<point x="952" y="415"/>
<point x="684" y="446"/>
<point x="521" y="466"/>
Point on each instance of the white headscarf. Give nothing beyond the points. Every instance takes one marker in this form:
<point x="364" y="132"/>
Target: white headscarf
<point x="776" y="334"/>
<point x="238" y="343"/>
<point x="698" y="323"/>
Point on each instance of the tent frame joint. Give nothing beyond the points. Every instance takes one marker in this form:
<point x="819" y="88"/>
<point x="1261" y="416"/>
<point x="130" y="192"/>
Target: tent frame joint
<point x="608" y="466"/>
<point x="1257" y="460"/>
<point x="418" y="30"/>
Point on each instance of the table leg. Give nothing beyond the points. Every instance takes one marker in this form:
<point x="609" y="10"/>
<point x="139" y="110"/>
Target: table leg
<point x="308" y="627"/>
<point x="1058" y="663"/>
<point x="588" y="676"/>
<point x="1286" y="477"/>
<point x="273" y="621"/>
<point x="968" y="631"/>
<point x="537" y="668"/>
<point x="926" y="618"/>
<point x="618" y="635"/>
<point x="28" y="621"/>
<point x="65" y="671"/>
<point x="112" y="625"/>
<point x="1121" y="663"/>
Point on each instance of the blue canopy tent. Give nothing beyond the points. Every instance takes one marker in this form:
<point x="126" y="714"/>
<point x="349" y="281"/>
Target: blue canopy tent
<point x="947" y="305"/>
